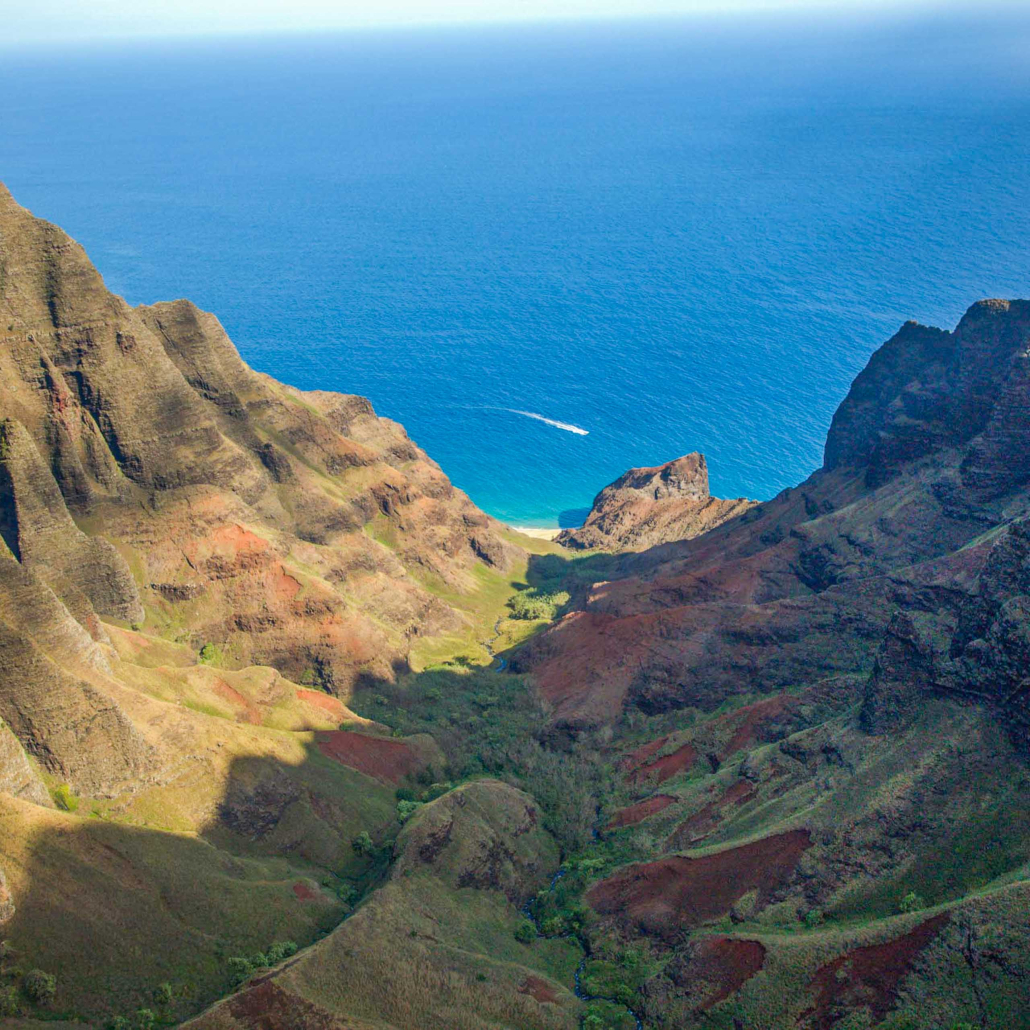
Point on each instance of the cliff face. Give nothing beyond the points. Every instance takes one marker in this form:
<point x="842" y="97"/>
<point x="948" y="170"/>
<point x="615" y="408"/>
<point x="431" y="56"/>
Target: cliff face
<point x="801" y="725"/>
<point x="248" y="510"/>
<point x="197" y="565"/>
<point x="923" y="486"/>
<point x="828" y="694"/>
<point x="650" y="506"/>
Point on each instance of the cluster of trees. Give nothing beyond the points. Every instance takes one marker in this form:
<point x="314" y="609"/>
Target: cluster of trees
<point x="243" y="967"/>
<point x="532" y="605"/>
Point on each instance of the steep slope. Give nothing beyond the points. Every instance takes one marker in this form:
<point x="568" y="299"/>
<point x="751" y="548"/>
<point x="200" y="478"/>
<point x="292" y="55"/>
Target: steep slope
<point x="197" y="566"/>
<point x="650" y="506"/>
<point x="434" y="946"/>
<point x="820" y="715"/>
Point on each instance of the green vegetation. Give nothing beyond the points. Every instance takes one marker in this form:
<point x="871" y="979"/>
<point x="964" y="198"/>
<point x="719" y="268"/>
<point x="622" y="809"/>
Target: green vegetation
<point x="363" y="844"/>
<point x="63" y="797"/>
<point x="911" y="902"/>
<point x="530" y="604"/>
<point x="492" y="724"/>
<point x="406" y="809"/>
<point x="210" y="654"/>
<point x="242" y="967"/>
<point x="8" y="1001"/>
<point x="40" y="987"/>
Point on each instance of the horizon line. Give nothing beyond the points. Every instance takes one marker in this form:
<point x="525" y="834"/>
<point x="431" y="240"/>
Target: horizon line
<point x="823" y="11"/>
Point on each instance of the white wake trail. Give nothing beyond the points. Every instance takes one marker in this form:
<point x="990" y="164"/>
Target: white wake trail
<point x="567" y="426"/>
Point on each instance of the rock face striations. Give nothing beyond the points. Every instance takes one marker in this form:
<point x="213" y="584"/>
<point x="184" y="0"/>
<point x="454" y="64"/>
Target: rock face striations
<point x="247" y="509"/>
<point x="832" y="692"/>
<point x="650" y="506"/>
<point x="785" y="745"/>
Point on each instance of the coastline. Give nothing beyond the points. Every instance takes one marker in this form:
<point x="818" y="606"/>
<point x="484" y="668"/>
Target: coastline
<point x="539" y="532"/>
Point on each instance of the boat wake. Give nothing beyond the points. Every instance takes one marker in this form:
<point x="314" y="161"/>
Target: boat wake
<point x="567" y="426"/>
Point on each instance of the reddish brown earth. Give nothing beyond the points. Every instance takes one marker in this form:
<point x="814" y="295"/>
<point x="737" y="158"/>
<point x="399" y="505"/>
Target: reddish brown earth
<point x="758" y="723"/>
<point x="633" y="814"/>
<point x="665" y="767"/>
<point x="718" y="967"/>
<point x="248" y="711"/>
<point x="679" y="893"/>
<point x="866" y="977"/>
<point x="384" y="759"/>
<point x="706" y="819"/>
<point x="267" y="1006"/>
<point x="637" y="758"/>
<point x="326" y="702"/>
<point x="649" y="506"/>
<point x="304" y="893"/>
<point x="539" y="990"/>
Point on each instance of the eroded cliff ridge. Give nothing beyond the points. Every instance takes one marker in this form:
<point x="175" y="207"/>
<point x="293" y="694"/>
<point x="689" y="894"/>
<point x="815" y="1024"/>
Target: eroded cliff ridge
<point x="650" y="506"/>
<point x="768" y="769"/>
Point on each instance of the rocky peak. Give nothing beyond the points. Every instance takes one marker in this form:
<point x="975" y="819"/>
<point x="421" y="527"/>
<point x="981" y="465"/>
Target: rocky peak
<point x="649" y="506"/>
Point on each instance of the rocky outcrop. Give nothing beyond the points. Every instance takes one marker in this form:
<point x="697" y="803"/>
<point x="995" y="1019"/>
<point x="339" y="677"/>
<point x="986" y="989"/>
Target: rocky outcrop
<point x="17" y="776"/>
<point x="869" y="568"/>
<point x="285" y="528"/>
<point x="650" y="506"/>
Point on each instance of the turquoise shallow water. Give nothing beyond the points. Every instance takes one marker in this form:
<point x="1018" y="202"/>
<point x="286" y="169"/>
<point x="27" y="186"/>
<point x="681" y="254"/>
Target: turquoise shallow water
<point x="668" y="235"/>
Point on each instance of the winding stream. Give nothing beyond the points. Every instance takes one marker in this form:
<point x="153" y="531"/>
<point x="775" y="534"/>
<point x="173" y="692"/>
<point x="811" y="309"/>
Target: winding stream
<point x="489" y="645"/>
<point x="578" y="988"/>
<point x="527" y="910"/>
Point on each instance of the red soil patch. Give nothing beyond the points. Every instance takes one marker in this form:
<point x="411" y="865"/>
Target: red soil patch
<point x="664" y="768"/>
<point x="284" y="586"/>
<point x="706" y="819"/>
<point x="241" y="540"/>
<point x="304" y="892"/>
<point x="758" y="722"/>
<point x="867" y="977"/>
<point x="633" y="814"/>
<point x="266" y="1006"/>
<point x="635" y="759"/>
<point x="539" y="990"/>
<point x="384" y="759"/>
<point x="679" y="893"/>
<point x="326" y="702"/>
<point x="249" y="712"/>
<point x="719" y="967"/>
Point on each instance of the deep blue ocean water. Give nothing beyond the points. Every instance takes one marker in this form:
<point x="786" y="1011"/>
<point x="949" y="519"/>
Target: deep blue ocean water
<point x="673" y="235"/>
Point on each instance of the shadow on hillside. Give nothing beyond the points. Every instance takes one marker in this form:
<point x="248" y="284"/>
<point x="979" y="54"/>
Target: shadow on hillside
<point x="138" y="906"/>
<point x="114" y="911"/>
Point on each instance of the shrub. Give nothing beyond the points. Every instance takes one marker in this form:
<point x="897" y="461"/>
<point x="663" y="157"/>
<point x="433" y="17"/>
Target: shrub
<point x="911" y="902"/>
<point x="8" y="1002"/>
<point x="813" y="918"/>
<point x="163" y="995"/>
<point x="209" y="653"/>
<point x="145" y="1019"/>
<point x="40" y="987"/>
<point x="406" y="809"/>
<point x="362" y="844"/>
<point x="119" y="1023"/>
<point x="63" y="797"/>
<point x="525" y="932"/>
<point x="239" y="969"/>
<point x="529" y="605"/>
<point x="434" y="791"/>
<point x="281" y="950"/>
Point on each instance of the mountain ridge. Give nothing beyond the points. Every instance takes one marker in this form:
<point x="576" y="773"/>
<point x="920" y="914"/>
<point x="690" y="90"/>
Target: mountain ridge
<point x="767" y="766"/>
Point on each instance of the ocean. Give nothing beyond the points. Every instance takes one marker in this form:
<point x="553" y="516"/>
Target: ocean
<point x="553" y="252"/>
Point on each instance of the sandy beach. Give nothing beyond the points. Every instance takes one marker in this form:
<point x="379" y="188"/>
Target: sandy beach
<point x="541" y="533"/>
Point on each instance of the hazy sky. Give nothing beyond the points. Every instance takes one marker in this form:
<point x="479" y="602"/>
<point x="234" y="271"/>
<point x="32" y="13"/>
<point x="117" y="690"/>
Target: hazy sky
<point x="51" y="20"/>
